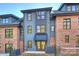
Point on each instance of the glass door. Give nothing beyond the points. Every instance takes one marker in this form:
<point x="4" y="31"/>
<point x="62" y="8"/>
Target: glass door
<point x="40" y="45"/>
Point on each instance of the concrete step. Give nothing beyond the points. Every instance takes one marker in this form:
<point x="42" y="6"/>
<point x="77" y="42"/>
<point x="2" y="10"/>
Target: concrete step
<point x="34" y="53"/>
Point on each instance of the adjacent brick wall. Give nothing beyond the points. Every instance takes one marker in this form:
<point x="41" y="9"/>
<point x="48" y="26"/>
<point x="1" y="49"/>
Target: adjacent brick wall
<point x="14" y="40"/>
<point x="60" y="32"/>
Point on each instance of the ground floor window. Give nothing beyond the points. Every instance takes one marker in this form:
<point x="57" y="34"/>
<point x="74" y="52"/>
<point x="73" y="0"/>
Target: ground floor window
<point x="0" y="45"/>
<point x="8" y="48"/>
<point x="67" y="38"/>
<point x="29" y="43"/>
<point x="77" y="40"/>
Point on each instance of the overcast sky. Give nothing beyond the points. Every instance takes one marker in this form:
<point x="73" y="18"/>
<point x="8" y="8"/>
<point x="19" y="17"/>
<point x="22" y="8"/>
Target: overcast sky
<point x="15" y="8"/>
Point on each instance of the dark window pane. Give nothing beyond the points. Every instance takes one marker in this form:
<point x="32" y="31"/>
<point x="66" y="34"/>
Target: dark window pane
<point x="67" y="38"/>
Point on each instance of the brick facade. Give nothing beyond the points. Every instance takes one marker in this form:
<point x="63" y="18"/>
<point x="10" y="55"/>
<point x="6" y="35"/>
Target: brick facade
<point x="14" y="40"/>
<point x="60" y="34"/>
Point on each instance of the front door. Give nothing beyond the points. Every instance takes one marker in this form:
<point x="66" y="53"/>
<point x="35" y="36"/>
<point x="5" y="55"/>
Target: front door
<point x="40" y="45"/>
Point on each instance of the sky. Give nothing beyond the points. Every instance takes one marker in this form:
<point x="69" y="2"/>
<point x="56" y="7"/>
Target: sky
<point x="15" y="8"/>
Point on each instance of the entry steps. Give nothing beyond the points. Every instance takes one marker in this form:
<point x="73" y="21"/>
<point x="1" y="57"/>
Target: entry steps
<point x="34" y="53"/>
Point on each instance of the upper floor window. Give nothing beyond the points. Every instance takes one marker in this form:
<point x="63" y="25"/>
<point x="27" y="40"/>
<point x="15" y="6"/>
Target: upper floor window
<point x="73" y="8"/>
<point x="77" y="7"/>
<point x="29" y="16"/>
<point x="8" y="33"/>
<point x="67" y="38"/>
<point x="41" y="29"/>
<point x="52" y="28"/>
<point x="68" y="8"/>
<point x="6" y="20"/>
<point x="67" y="23"/>
<point x="29" y="29"/>
<point x="41" y="15"/>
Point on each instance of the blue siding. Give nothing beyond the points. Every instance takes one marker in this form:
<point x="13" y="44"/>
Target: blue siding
<point x="33" y="23"/>
<point x="29" y="36"/>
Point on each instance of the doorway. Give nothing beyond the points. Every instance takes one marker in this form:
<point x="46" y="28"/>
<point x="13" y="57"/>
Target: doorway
<point x="40" y="45"/>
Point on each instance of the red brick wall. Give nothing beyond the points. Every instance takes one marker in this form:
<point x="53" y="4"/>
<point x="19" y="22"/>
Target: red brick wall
<point x="60" y="32"/>
<point x="13" y="40"/>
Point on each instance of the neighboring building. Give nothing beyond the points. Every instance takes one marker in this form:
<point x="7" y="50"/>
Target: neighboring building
<point x="9" y="33"/>
<point x="39" y="30"/>
<point x="67" y="29"/>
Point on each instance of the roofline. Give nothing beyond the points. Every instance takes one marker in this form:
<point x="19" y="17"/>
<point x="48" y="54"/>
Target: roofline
<point x="65" y="3"/>
<point x="65" y="14"/>
<point x="36" y="9"/>
<point x="61" y="6"/>
<point x="9" y="15"/>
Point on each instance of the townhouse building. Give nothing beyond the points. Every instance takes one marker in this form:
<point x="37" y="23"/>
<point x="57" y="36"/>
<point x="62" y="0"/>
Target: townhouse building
<point x="67" y="29"/>
<point x="39" y="33"/>
<point x="9" y="34"/>
<point x="42" y="29"/>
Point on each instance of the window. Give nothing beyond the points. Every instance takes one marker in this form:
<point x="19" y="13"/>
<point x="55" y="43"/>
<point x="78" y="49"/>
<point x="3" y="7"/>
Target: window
<point x="29" y="44"/>
<point x="68" y="8"/>
<point x="8" y="48"/>
<point x="67" y="23"/>
<point x="77" y="40"/>
<point x="0" y="45"/>
<point x="8" y="33"/>
<point x="5" y="20"/>
<point x="29" y="16"/>
<point x="73" y="8"/>
<point x="0" y="20"/>
<point x="52" y="28"/>
<point x="41" y="29"/>
<point x="29" y="29"/>
<point x="41" y="15"/>
<point x="77" y="7"/>
<point x="67" y="38"/>
<point x="38" y="29"/>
